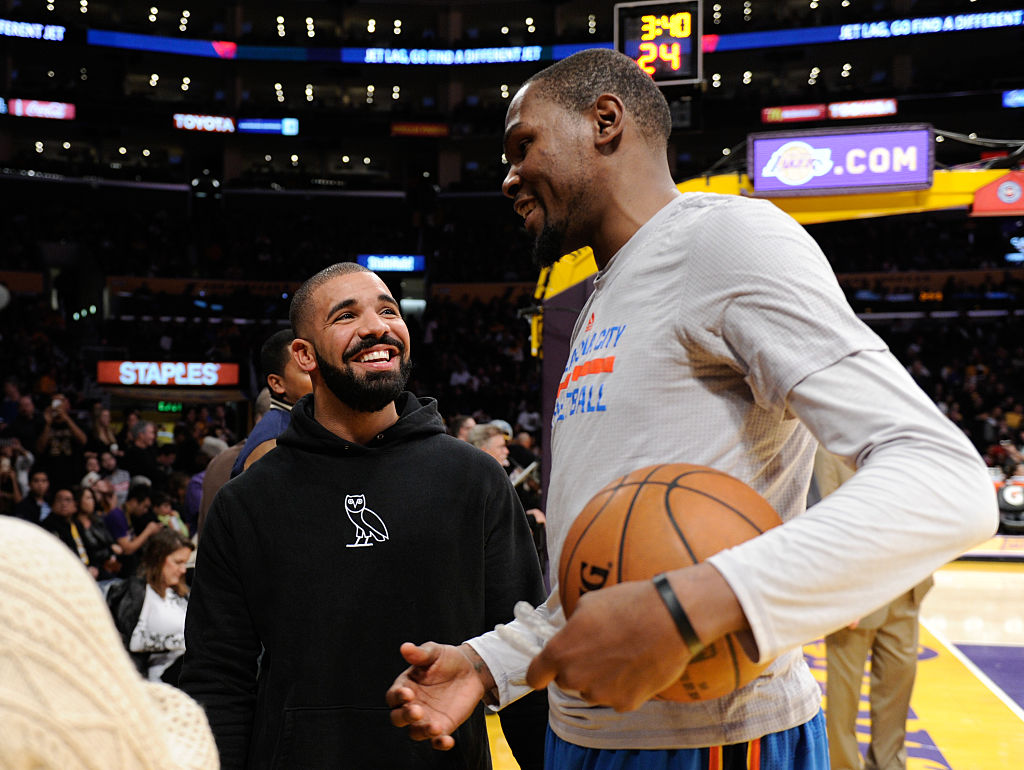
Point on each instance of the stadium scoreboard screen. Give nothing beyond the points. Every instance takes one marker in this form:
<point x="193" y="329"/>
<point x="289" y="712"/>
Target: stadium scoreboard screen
<point x="663" y="38"/>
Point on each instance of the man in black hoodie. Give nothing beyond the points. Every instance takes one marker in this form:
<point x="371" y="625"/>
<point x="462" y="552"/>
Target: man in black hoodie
<point x="368" y="525"/>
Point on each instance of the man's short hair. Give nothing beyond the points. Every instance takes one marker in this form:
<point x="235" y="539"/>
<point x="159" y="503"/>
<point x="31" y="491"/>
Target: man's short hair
<point x="455" y="423"/>
<point x="140" y="492"/>
<point x="275" y="353"/>
<point x="302" y="302"/>
<point x="576" y="81"/>
<point x="262" y="403"/>
<point x="138" y="428"/>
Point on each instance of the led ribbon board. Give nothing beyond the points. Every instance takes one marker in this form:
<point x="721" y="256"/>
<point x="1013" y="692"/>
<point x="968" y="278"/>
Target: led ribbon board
<point x="838" y="161"/>
<point x="282" y="126"/>
<point x="393" y="263"/>
<point x="662" y="37"/>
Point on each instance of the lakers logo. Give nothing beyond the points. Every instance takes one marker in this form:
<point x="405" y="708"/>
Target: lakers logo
<point x="796" y="163"/>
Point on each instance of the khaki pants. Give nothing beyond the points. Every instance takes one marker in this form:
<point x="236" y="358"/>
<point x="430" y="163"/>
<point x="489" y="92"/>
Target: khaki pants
<point x="892" y="643"/>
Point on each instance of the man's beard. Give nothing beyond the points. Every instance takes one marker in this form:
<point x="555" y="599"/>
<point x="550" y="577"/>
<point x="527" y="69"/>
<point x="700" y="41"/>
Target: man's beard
<point x="550" y="245"/>
<point x="547" y="249"/>
<point x="372" y="391"/>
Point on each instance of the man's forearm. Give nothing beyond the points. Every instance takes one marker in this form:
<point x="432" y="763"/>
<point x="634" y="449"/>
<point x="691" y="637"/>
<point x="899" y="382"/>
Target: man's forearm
<point x="482" y="671"/>
<point x="710" y="604"/>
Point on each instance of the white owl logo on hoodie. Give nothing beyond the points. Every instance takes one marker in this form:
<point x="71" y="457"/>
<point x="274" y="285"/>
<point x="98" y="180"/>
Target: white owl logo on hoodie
<point x="369" y="527"/>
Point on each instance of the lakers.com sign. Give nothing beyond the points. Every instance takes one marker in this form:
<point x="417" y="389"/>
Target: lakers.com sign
<point x="166" y="373"/>
<point x="837" y="161"/>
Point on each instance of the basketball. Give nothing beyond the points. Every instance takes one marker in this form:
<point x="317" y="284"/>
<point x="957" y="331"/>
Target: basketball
<point x="657" y="519"/>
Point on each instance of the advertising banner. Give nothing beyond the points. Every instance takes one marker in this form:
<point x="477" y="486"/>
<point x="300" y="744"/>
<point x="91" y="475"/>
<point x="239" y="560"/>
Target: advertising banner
<point x="166" y="373"/>
<point x="837" y="161"/>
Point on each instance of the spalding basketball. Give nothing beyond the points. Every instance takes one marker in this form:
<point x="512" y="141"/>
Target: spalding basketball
<point x="657" y="519"/>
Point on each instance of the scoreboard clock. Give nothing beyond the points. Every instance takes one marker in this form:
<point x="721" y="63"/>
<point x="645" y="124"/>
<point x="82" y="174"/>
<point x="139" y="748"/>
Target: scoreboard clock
<point x="663" y="38"/>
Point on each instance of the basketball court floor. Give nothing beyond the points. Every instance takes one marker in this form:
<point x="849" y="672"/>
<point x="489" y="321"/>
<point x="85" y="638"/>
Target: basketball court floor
<point x="967" y="711"/>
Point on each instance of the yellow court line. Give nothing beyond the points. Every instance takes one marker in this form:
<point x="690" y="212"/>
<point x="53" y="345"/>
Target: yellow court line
<point x="501" y="754"/>
<point x="971" y="720"/>
<point x="1014" y="566"/>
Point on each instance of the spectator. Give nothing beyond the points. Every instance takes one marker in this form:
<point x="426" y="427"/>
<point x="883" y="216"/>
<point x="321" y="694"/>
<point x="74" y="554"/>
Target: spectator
<point x="10" y="489"/>
<point x="99" y="543"/>
<point x="889" y="635"/>
<point x="140" y="456"/>
<point x="92" y="471"/>
<point x="23" y="461"/>
<point x="149" y="609"/>
<point x="59" y="446"/>
<point x="351" y="448"/>
<point x="288" y="383"/>
<point x="164" y="511"/>
<point x="219" y="468"/>
<point x="34" y="506"/>
<point x="124" y="436"/>
<point x="62" y="524"/>
<point x="10" y="405"/>
<point x="132" y="525"/>
<point x="103" y="438"/>
<point x="28" y="425"/>
<point x="119" y="479"/>
<point x="117" y="720"/>
<point x="166" y="462"/>
<point x="528" y="418"/>
<point x="460" y="425"/>
<point x="186" y="447"/>
<point x="520" y="450"/>
<point x="491" y="440"/>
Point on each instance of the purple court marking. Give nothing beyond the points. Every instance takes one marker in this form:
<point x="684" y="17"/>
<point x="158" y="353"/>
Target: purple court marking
<point x="1000" y="663"/>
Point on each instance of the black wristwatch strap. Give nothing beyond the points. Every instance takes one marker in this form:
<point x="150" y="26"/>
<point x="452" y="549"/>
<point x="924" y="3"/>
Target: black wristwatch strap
<point x="675" y="609"/>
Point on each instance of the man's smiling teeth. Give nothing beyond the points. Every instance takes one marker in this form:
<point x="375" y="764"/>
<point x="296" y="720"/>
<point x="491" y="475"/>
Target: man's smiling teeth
<point x="375" y="355"/>
<point x="524" y="212"/>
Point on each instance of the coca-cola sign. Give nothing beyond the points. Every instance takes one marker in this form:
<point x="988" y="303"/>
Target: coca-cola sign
<point x="30" y="108"/>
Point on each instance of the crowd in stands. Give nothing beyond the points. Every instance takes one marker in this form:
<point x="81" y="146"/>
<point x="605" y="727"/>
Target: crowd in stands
<point x="89" y="467"/>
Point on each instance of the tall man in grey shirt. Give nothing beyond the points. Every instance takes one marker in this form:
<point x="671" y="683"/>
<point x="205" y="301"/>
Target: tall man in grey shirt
<point x="726" y="342"/>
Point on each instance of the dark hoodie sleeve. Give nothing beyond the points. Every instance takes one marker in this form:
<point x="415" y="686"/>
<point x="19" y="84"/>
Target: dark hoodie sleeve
<point x="511" y="562"/>
<point x="221" y="644"/>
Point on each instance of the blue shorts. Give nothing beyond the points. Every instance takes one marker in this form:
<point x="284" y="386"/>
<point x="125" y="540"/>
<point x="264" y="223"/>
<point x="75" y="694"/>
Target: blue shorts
<point x="799" y="748"/>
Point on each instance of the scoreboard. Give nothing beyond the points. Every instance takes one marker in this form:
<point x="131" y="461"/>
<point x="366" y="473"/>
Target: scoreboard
<point x="663" y="38"/>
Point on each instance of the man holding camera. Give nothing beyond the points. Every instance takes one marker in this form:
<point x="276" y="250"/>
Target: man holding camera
<point x="59" y="446"/>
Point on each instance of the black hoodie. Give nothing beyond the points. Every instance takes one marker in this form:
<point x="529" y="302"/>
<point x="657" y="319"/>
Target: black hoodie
<point x="327" y="555"/>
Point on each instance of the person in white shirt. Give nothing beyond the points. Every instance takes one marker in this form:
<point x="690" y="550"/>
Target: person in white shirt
<point x="149" y="610"/>
<point x="725" y="341"/>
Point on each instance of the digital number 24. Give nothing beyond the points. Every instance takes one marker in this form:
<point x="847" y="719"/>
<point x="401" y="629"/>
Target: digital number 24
<point x="666" y="52"/>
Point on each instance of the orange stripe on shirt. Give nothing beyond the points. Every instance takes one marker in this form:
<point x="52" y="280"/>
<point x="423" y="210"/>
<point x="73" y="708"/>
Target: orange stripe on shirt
<point x="595" y="366"/>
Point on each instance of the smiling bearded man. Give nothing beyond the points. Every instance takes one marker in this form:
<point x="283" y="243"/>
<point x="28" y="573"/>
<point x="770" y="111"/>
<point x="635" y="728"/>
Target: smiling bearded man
<point x="366" y="524"/>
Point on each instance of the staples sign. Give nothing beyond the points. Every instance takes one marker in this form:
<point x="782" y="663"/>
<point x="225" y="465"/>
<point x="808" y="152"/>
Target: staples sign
<point x="166" y="373"/>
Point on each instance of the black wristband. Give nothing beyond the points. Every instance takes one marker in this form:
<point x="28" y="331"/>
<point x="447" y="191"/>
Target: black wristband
<point x="675" y="609"/>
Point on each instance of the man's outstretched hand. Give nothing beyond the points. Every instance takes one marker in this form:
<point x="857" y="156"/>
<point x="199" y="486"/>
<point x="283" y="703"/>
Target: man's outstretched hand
<point x="438" y="691"/>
